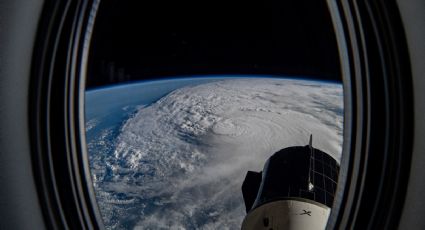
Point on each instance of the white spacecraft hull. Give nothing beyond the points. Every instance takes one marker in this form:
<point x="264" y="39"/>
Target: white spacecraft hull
<point x="291" y="214"/>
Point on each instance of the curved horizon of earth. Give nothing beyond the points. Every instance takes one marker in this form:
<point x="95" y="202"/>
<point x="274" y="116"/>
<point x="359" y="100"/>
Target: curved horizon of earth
<point x="173" y="154"/>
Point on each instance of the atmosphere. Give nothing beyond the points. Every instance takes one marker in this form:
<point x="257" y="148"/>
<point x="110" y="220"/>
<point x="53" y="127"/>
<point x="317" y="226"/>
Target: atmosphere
<point x="136" y="40"/>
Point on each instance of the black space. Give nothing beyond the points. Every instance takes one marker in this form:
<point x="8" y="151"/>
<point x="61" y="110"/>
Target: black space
<point x="136" y="40"/>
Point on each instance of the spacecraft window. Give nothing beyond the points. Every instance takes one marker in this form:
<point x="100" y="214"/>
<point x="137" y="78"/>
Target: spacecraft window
<point x="204" y="115"/>
<point x="181" y="101"/>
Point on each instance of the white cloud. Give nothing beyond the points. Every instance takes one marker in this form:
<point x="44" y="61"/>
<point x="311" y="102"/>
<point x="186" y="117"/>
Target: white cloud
<point x="182" y="160"/>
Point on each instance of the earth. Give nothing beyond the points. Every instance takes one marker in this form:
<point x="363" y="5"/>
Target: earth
<point x="172" y="154"/>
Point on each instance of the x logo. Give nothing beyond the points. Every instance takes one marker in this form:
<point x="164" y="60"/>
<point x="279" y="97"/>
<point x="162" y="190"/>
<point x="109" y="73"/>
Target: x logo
<point x="306" y="212"/>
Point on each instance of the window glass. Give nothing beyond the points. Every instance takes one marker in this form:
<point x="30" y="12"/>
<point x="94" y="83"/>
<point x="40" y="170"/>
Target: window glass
<point x="181" y="102"/>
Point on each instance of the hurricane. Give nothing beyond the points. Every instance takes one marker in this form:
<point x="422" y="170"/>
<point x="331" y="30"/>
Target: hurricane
<point x="179" y="162"/>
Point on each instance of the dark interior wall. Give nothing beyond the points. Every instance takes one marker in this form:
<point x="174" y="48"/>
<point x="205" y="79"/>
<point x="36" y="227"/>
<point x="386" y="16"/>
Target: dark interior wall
<point x="135" y="40"/>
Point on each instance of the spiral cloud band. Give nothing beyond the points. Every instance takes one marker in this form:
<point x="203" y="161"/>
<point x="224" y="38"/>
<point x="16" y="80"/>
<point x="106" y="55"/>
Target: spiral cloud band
<point x="179" y="163"/>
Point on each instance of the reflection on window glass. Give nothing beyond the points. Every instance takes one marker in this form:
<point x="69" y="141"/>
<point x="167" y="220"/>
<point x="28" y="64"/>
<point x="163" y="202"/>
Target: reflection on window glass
<point x="215" y="118"/>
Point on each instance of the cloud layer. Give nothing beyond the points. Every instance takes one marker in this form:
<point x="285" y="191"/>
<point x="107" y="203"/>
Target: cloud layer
<point x="180" y="162"/>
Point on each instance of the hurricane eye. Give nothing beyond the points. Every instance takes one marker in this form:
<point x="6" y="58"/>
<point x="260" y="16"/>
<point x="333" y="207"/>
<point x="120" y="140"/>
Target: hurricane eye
<point x="214" y="115"/>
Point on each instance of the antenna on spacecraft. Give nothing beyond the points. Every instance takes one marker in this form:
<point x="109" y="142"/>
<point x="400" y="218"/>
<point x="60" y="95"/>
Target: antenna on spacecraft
<point x="312" y="164"/>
